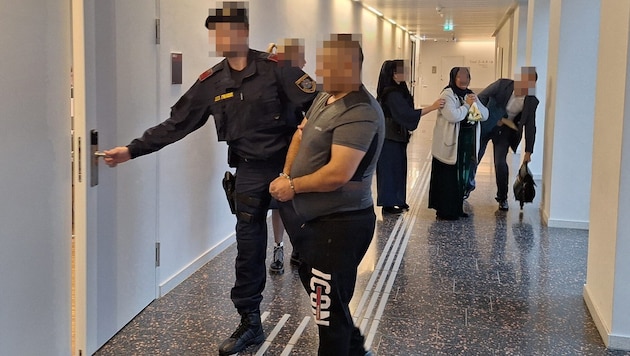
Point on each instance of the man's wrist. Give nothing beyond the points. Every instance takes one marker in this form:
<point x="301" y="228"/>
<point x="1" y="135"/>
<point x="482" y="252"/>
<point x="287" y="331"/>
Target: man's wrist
<point x="292" y="186"/>
<point x="290" y="181"/>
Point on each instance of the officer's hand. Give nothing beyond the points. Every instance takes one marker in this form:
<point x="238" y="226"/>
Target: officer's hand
<point x="527" y="157"/>
<point x="117" y="155"/>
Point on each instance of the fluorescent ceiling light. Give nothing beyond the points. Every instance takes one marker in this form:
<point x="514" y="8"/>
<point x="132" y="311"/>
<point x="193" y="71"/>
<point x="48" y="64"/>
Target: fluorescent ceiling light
<point x="378" y="13"/>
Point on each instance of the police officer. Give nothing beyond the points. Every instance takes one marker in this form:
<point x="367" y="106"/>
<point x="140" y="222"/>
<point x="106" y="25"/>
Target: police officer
<point x="248" y="95"/>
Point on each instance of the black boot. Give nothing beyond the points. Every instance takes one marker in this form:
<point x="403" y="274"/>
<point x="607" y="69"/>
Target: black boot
<point x="248" y="332"/>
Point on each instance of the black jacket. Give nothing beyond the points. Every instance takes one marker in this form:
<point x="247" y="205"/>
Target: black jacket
<point x="253" y="114"/>
<point x="495" y="97"/>
<point x="400" y="115"/>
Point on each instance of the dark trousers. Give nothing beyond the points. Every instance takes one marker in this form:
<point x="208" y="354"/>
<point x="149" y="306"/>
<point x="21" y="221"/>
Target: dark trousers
<point x="391" y="174"/>
<point x="252" y="203"/>
<point x="331" y="248"/>
<point x="500" y="137"/>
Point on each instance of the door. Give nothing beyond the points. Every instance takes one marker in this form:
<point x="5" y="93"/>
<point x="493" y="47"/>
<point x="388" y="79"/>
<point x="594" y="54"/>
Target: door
<point x="447" y="63"/>
<point x="116" y="219"/>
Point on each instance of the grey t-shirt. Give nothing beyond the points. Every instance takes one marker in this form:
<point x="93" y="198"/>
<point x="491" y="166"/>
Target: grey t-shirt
<point x="355" y="121"/>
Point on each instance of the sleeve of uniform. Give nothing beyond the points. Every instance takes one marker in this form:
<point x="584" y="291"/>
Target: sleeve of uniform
<point x="298" y="86"/>
<point x="187" y="115"/>
<point x="402" y="112"/>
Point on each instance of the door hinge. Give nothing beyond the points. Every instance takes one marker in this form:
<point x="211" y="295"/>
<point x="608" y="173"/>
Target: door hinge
<point x="157" y="254"/>
<point x="157" y="31"/>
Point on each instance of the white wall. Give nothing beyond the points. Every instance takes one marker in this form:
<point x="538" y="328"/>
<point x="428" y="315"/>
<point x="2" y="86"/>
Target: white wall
<point x="505" y="47"/>
<point x="478" y="55"/>
<point x="520" y="36"/>
<point x="537" y="51"/>
<point x="569" y="120"/>
<point x="35" y="226"/>
<point x="607" y="290"/>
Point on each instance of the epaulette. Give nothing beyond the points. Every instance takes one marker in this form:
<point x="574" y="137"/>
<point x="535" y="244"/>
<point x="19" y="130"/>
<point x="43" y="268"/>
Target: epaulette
<point x="205" y="75"/>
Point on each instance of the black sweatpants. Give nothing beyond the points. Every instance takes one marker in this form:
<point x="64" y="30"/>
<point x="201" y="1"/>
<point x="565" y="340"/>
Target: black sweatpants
<point x="331" y="248"/>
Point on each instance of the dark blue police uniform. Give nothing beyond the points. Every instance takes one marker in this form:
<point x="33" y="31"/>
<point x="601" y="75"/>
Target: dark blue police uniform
<point x="252" y="110"/>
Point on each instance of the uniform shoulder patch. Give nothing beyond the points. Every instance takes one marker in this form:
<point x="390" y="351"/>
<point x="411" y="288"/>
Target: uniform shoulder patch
<point x="205" y="75"/>
<point x="306" y="84"/>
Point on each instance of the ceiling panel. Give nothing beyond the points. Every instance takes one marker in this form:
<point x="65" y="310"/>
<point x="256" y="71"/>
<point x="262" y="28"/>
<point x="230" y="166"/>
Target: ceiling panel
<point x="471" y="19"/>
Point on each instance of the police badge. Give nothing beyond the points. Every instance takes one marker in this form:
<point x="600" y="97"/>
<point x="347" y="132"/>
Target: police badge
<point x="306" y="84"/>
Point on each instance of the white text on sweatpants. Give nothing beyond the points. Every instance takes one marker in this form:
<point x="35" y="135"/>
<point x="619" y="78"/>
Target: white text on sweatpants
<point x="320" y="300"/>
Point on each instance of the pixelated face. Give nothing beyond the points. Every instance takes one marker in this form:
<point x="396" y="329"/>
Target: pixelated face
<point x="229" y="38"/>
<point x="292" y="50"/>
<point x="525" y="83"/>
<point x="339" y="67"/>
<point x="400" y="74"/>
<point x="462" y="78"/>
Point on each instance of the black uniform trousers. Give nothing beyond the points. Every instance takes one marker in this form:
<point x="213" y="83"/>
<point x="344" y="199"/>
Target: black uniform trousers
<point x="500" y="136"/>
<point x="252" y="204"/>
<point x="391" y="174"/>
<point x="331" y="248"/>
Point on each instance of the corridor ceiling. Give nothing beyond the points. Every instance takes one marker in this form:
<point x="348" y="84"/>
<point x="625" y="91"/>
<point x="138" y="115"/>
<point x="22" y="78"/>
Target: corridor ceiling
<point x="446" y="20"/>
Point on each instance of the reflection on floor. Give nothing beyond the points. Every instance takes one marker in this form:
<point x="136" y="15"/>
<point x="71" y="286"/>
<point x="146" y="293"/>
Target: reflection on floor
<point x="495" y="283"/>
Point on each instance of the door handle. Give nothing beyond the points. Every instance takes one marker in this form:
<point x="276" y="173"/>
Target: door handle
<point x="95" y="154"/>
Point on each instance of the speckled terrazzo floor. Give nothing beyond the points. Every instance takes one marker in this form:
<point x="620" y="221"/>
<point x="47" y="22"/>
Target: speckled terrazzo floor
<point x="496" y="283"/>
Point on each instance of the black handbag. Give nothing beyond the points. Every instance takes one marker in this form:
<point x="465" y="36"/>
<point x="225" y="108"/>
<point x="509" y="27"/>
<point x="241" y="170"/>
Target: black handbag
<point x="524" y="186"/>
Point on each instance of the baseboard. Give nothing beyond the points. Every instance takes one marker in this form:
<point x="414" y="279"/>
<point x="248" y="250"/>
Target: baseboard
<point x="611" y="341"/>
<point x="568" y="224"/>
<point x="596" y="315"/>
<point x="563" y="224"/>
<point x="195" y="265"/>
<point x="619" y="342"/>
<point x="544" y="214"/>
